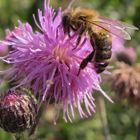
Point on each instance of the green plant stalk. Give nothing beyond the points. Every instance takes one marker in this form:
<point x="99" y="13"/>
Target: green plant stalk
<point x="103" y="118"/>
<point x="138" y="131"/>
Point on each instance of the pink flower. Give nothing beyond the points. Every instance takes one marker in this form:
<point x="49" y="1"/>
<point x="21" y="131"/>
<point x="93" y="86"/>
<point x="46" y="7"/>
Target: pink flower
<point x="3" y="49"/>
<point x="117" y="45"/>
<point x="48" y="62"/>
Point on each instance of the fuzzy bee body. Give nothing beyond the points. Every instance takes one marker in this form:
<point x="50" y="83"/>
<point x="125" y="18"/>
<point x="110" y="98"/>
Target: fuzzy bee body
<point x="99" y="29"/>
<point x="102" y="51"/>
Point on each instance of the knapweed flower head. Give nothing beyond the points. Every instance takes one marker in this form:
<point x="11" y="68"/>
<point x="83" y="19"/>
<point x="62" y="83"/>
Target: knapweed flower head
<point x="17" y="111"/>
<point x="47" y="62"/>
<point x="126" y="82"/>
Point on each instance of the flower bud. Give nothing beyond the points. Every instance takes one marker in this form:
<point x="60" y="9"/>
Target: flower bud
<point x="126" y="82"/>
<point x="17" y="111"/>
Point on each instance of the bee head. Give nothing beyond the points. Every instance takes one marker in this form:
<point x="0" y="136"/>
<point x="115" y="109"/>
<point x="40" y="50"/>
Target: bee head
<point x="66" y="21"/>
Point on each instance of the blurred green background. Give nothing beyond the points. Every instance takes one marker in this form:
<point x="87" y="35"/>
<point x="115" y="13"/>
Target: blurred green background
<point x="116" y="121"/>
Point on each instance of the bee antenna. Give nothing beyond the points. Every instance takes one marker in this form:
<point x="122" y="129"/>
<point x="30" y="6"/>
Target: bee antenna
<point x="70" y="4"/>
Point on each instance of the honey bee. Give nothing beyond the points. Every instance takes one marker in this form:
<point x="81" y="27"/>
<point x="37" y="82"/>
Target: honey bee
<point x="100" y="30"/>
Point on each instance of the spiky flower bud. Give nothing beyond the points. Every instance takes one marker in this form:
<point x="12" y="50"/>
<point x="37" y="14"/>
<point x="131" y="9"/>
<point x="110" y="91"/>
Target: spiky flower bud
<point x="17" y="111"/>
<point x="126" y="82"/>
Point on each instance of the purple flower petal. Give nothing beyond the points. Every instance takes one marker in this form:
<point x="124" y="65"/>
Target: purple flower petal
<point x="48" y="63"/>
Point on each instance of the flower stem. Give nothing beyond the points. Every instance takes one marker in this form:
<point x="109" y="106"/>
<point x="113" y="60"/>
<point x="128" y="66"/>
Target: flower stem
<point x="103" y="118"/>
<point x="138" y="131"/>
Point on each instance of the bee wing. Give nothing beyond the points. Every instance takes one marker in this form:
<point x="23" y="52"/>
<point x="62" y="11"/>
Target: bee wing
<point x="114" y="26"/>
<point x="113" y="29"/>
<point x="117" y="23"/>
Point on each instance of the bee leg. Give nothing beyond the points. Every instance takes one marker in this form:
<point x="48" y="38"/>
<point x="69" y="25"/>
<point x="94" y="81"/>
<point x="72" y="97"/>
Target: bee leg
<point x="92" y="41"/>
<point x="79" y="37"/>
<point x="73" y="28"/>
<point x="69" y="33"/>
<point x="86" y="60"/>
<point x="82" y="30"/>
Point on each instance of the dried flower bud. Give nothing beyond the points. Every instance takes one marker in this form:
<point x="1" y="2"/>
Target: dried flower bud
<point x="126" y="82"/>
<point x="17" y="111"/>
